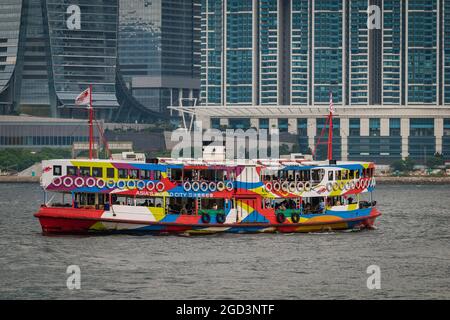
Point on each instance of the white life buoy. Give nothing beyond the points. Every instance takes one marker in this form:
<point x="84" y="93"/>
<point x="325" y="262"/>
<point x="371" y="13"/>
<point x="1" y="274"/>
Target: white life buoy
<point x="79" y="182"/>
<point x="131" y="184"/>
<point x="140" y="185"/>
<point x="204" y="186"/>
<point x="341" y="185"/>
<point x="187" y="186"/>
<point x="276" y="186"/>
<point x="352" y="184"/>
<point x="229" y="185"/>
<point x="100" y="184"/>
<point x="292" y="187"/>
<point x="90" y="182"/>
<point x="347" y="186"/>
<point x="308" y="186"/>
<point x="57" y="182"/>
<point x="195" y="186"/>
<point x="68" y="182"/>
<point x="285" y="186"/>
<point x="220" y="186"/>
<point x="329" y="186"/>
<point x="150" y="186"/>
<point x="160" y="186"/>
<point x="212" y="186"/>
<point x="121" y="184"/>
<point x="111" y="184"/>
<point x="335" y="186"/>
<point x="300" y="187"/>
<point x="269" y="186"/>
<point x="358" y="184"/>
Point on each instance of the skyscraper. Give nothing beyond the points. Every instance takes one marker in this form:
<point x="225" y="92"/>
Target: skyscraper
<point x="159" y="50"/>
<point x="294" y="52"/>
<point x="50" y="51"/>
<point x="273" y="63"/>
<point x="10" y="13"/>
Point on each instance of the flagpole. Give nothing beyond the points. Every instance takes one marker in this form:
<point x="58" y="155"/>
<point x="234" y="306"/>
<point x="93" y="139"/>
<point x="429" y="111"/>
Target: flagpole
<point x="91" y="126"/>
<point x="330" y="130"/>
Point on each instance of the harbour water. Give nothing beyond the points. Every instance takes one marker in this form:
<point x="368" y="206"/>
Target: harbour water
<point x="411" y="246"/>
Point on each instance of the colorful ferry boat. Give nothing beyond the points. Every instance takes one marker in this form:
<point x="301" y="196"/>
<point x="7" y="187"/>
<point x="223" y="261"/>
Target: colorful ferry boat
<point x="205" y="196"/>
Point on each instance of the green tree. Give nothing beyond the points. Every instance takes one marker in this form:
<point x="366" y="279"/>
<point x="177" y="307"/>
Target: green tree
<point x="409" y="164"/>
<point x="284" y="149"/>
<point x="435" y="161"/>
<point x="398" y="165"/>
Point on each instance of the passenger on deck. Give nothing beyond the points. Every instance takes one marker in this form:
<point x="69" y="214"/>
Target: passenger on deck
<point x="215" y="207"/>
<point x="321" y="206"/>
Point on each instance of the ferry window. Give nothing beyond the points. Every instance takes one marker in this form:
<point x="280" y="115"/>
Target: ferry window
<point x="176" y="174"/>
<point x="97" y="172"/>
<point x="110" y="173"/>
<point x="330" y="176"/>
<point x="212" y="204"/>
<point x="338" y="175"/>
<point x="85" y="171"/>
<point x="144" y="174"/>
<point x="181" y="205"/>
<point x="122" y="200"/>
<point x="208" y="175"/>
<point x="345" y="174"/>
<point x="290" y="174"/>
<point x="188" y="174"/>
<point x="123" y="174"/>
<point x="356" y="174"/>
<point x="90" y="199"/>
<point x="156" y="175"/>
<point x="57" y="170"/>
<point x="318" y="174"/>
<point x="134" y="174"/>
<point x="149" y="202"/>
<point x="351" y="174"/>
<point x="71" y="171"/>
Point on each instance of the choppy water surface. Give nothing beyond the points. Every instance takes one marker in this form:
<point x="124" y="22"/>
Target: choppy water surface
<point x="410" y="245"/>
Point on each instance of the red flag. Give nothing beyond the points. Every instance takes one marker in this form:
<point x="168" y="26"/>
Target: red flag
<point x="84" y="98"/>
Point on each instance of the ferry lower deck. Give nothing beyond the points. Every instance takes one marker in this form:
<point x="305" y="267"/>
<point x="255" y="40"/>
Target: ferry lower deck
<point x="97" y="213"/>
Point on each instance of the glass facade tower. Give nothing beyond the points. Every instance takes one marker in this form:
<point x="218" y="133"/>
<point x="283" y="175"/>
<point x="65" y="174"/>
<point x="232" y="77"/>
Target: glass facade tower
<point x="327" y="50"/>
<point x="392" y="52"/>
<point x="159" y="50"/>
<point x="421" y="56"/>
<point x="84" y="56"/>
<point x="297" y="51"/>
<point x="10" y="13"/>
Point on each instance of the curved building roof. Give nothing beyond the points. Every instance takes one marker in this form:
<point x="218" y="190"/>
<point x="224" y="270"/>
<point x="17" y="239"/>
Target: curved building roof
<point x="10" y="13"/>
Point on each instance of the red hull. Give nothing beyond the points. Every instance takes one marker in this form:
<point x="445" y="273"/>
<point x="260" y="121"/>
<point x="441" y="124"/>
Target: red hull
<point x="80" y="221"/>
